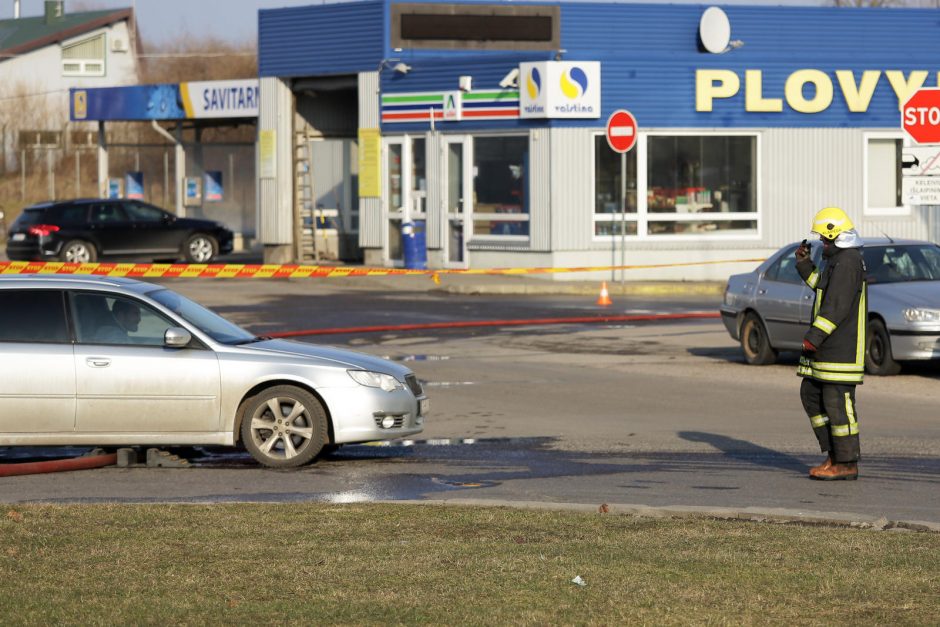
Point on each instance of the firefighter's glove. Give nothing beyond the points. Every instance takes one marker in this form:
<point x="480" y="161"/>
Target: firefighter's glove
<point x="802" y="252"/>
<point x="807" y="347"/>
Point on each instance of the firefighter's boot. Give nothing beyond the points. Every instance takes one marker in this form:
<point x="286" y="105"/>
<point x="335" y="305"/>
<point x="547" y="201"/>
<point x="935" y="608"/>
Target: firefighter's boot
<point x="823" y="466"/>
<point x="836" y="472"/>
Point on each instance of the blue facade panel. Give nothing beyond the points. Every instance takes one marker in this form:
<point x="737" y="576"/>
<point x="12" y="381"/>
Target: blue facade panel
<point x="649" y="57"/>
<point x="321" y="40"/>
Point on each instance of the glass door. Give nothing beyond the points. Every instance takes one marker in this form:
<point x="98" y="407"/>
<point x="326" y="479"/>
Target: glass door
<point x="458" y="199"/>
<point x="395" y="197"/>
<point x="406" y="190"/>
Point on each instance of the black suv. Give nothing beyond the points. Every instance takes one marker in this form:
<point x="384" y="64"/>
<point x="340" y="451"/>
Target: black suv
<point x="84" y="230"/>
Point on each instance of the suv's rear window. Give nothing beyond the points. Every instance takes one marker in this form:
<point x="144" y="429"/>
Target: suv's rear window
<point x="32" y="316"/>
<point x="30" y="217"/>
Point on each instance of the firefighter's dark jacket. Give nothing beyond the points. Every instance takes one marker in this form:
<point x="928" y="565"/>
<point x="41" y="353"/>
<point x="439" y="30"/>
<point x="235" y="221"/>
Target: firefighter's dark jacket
<point x="840" y="316"/>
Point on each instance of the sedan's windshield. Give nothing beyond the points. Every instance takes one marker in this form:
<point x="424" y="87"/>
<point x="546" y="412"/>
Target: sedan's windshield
<point x="902" y="262"/>
<point x="212" y="324"/>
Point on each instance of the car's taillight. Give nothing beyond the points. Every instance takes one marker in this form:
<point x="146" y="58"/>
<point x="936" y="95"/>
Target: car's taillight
<point x="42" y="230"/>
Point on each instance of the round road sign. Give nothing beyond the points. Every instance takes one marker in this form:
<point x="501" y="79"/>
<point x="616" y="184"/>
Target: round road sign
<point x="920" y="116"/>
<point x="621" y="131"/>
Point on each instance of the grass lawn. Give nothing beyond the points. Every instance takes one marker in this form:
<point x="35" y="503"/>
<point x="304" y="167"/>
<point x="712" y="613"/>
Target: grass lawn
<point x="362" y="564"/>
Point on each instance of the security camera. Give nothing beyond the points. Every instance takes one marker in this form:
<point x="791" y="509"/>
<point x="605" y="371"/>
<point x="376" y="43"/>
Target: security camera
<point x="401" y="68"/>
<point x="511" y="79"/>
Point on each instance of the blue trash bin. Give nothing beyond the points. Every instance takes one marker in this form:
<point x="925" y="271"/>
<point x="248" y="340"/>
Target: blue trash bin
<point x="414" y="245"/>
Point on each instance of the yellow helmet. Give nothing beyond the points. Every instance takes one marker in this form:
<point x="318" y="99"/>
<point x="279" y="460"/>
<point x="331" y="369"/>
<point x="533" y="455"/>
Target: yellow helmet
<point x="831" y="222"/>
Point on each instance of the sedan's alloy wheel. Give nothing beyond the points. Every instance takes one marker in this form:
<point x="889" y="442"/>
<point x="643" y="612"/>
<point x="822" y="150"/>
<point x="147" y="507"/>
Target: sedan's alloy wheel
<point x="200" y="249"/>
<point x="284" y="427"/>
<point x="77" y="252"/>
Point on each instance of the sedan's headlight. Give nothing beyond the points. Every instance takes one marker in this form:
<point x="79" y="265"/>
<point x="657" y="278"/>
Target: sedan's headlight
<point x="919" y="314"/>
<point x="375" y="380"/>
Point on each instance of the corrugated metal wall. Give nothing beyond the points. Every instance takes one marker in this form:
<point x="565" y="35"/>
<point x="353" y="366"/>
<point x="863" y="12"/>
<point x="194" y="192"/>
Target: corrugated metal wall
<point x="437" y="185"/>
<point x="275" y="195"/>
<point x="804" y="170"/>
<point x="321" y="40"/>
<point x="541" y="160"/>
<point x="370" y="209"/>
<point x="570" y="188"/>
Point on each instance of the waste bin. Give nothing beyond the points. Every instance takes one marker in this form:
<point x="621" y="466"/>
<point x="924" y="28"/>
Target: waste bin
<point x="414" y="245"/>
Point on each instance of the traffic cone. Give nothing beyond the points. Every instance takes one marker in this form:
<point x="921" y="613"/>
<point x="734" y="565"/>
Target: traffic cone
<point x="604" y="299"/>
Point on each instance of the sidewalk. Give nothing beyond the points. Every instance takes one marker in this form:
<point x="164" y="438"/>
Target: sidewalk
<point x="499" y="284"/>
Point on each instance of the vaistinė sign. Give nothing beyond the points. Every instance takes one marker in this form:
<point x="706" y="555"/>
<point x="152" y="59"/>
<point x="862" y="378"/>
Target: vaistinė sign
<point x="560" y="89"/>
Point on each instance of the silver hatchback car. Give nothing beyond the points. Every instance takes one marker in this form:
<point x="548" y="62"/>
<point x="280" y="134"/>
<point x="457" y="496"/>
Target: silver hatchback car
<point x="108" y="362"/>
<point x="770" y="309"/>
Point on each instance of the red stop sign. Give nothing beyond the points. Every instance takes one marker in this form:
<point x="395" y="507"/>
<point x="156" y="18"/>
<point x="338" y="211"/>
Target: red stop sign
<point x="621" y="131"/>
<point x="920" y="116"/>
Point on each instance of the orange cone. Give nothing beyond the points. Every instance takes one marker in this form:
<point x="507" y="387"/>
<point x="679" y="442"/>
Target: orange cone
<point x="604" y="299"/>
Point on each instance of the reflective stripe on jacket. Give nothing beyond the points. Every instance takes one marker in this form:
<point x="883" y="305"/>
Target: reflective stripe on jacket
<point x="840" y="318"/>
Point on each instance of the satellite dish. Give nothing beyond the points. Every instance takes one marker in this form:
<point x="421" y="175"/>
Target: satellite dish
<point x="714" y="30"/>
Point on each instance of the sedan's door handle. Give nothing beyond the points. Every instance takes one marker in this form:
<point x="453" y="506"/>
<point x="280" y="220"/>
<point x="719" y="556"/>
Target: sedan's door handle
<point x="98" y="362"/>
<point x="761" y="292"/>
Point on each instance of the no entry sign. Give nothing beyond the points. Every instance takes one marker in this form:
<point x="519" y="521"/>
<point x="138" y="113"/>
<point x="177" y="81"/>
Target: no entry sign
<point x="621" y="131"/>
<point x="920" y="116"/>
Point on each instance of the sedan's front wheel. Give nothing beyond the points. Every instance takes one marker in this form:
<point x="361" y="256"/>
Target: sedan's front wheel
<point x="284" y="427"/>
<point x="878" y="357"/>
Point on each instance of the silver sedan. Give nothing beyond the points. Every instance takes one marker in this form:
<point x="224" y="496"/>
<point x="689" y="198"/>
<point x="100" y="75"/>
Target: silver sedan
<point x="108" y="362"/>
<point x="770" y="309"/>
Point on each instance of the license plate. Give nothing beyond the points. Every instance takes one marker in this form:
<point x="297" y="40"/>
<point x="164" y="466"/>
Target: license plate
<point x="18" y="237"/>
<point x="424" y="406"/>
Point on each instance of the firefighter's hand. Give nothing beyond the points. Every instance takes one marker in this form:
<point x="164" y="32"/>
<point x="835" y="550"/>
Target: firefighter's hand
<point x="802" y="252"/>
<point x="807" y="347"/>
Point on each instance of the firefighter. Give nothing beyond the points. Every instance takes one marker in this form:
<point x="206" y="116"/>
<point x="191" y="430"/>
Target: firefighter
<point x="833" y="359"/>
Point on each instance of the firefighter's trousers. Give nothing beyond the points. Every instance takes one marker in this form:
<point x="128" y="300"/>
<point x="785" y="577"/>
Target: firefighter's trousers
<point x="831" y="411"/>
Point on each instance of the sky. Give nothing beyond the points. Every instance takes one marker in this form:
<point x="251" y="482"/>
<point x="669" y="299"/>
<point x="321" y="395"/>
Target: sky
<point x="230" y="20"/>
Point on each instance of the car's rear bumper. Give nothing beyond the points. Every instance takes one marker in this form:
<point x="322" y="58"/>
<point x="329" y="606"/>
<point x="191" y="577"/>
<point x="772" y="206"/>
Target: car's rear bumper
<point x="730" y="319"/>
<point x="31" y="251"/>
<point x="915" y="345"/>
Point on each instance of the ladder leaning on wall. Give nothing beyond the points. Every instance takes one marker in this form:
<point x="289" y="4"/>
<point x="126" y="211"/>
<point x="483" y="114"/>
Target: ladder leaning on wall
<point x="305" y="224"/>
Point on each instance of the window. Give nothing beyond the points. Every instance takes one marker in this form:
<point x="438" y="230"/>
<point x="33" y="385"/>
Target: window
<point x="609" y="190"/>
<point x="110" y="213"/>
<point x="883" y="175"/>
<point x="784" y="269"/>
<point x="682" y="185"/>
<point x="104" y="319"/>
<point x="32" y="316"/>
<point x="139" y="212"/>
<point x="701" y="184"/>
<point x="84" y="58"/>
<point x="73" y="214"/>
<point x="500" y="186"/>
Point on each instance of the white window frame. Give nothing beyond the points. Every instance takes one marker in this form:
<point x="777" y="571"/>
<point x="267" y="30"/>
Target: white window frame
<point x="83" y="63"/>
<point x="903" y="210"/>
<point x="616" y="218"/>
<point x="643" y="217"/>
<point x="473" y="238"/>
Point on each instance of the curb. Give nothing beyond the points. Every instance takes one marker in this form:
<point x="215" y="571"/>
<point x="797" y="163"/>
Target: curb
<point x="704" y="288"/>
<point x="749" y="514"/>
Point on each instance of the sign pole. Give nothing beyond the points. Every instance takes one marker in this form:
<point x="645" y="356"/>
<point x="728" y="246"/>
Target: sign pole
<point x="623" y="218"/>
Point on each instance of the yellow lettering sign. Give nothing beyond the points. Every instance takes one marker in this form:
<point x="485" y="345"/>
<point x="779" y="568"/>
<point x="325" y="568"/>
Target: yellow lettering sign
<point x="793" y="90"/>
<point x="905" y="87"/>
<point x="711" y="84"/>
<point x="754" y="97"/>
<point x="858" y="96"/>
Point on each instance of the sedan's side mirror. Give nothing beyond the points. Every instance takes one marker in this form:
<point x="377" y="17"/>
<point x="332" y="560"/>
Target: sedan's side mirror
<point x="177" y="337"/>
